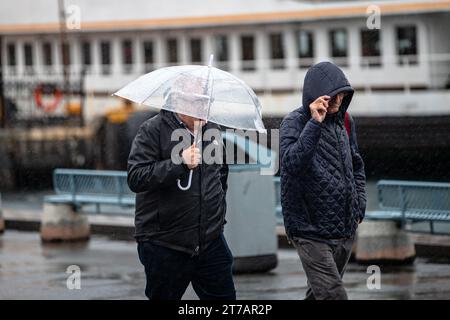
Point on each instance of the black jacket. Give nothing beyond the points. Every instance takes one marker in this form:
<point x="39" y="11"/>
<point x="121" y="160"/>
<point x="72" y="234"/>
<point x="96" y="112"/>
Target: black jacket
<point x="182" y="220"/>
<point x="322" y="173"/>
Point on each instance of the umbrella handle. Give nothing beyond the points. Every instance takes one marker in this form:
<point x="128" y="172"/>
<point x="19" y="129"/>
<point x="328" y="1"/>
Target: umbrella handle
<point x="188" y="185"/>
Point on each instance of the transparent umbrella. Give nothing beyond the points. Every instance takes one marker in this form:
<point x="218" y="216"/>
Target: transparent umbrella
<point x="203" y="92"/>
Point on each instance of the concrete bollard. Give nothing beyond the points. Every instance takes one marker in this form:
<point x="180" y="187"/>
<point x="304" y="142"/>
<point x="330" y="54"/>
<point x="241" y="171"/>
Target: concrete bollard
<point x="251" y="227"/>
<point x="2" y="221"/>
<point x="60" y="222"/>
<point x="383" y="242"/>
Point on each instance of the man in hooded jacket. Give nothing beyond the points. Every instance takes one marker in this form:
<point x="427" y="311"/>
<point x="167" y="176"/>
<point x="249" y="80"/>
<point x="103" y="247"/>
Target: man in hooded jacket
<point x="322" y="180"/>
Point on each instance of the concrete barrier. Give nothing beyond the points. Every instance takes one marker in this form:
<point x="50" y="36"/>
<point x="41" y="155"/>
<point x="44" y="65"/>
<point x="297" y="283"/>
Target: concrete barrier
<point x="2" y="222"/>
<point x="251" y="227"/>
<point x="383" y="242"/>
<point x="61" y="222"/>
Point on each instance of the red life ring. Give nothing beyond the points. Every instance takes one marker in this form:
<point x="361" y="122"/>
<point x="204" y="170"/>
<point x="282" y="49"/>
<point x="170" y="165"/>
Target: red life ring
<point x="47" y="107"/>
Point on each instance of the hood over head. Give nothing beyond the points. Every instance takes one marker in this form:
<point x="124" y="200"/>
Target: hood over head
<point x="325" y="78"/>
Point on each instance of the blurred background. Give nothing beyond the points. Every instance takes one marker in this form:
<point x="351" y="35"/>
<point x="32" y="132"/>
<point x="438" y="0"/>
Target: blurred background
<point x="61" y="61"/>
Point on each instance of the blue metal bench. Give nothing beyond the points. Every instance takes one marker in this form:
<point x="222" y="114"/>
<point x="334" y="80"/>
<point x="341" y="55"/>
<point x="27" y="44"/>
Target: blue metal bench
<point x="403" y="201"/>
<point x="412" y="201"/>
<point x="83" y="187"/>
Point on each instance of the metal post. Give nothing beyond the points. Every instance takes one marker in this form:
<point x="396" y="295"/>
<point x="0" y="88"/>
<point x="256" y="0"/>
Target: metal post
<point x="403" y="206"/>
<point x="431" y="226"/>
<point x="73" y="190"/>
<point x="63" y="44"/>
<point x="118" y="188"/>
<point x="82" y="95"/>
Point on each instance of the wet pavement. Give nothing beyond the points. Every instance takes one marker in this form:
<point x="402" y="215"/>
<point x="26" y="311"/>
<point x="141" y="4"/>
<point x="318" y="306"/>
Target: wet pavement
<point x="110" y="270"/>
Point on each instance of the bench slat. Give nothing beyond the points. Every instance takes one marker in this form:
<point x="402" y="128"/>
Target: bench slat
<point x="98" y="187"/>
<point x="88" y="199"/>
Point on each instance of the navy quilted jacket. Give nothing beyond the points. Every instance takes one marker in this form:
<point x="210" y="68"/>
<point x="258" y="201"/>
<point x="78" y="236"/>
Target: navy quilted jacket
<point x="322" y="173"/>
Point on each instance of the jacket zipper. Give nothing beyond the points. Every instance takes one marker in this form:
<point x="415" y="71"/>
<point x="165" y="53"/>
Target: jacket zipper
<point x="336" y="125"/>
<point x="339" y="148"/>
<point x="195" y="251"/>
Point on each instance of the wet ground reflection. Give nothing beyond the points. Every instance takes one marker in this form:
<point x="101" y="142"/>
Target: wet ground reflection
<point x="110" y="270"/>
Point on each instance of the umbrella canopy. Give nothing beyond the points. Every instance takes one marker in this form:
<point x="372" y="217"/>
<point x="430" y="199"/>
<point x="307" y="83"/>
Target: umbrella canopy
<point x="203" y="92"/>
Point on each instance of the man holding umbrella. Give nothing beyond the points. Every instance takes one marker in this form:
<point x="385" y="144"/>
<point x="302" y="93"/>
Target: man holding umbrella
<point x="180" y="207"/>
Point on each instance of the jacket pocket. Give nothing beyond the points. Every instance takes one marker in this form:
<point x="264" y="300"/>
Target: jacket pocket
<point x="178" y="211"/>
<point x="147" y="216"/>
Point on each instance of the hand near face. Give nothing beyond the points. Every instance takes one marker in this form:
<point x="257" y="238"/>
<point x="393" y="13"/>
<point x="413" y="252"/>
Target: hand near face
<point x="319" y="108"/>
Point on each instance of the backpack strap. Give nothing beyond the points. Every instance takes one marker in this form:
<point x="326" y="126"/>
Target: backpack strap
<point x="347" y="123"/>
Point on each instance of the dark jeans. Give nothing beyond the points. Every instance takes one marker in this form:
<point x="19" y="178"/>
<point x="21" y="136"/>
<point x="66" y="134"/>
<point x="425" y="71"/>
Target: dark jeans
<point x="169" y="271"/>
<point x="324" y="265"/>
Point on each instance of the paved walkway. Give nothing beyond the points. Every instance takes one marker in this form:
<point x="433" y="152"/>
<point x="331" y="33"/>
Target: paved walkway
<point x="110" y="270"/>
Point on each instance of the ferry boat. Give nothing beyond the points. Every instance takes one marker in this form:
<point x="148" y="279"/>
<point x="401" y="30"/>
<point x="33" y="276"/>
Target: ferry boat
<point x="396" y="54"/>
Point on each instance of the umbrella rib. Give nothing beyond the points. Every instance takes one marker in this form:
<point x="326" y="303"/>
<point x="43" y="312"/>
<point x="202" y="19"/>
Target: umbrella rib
<point x="153" y="91"/>
<point x="210" y="97"/>
<point x="234" y="102"/>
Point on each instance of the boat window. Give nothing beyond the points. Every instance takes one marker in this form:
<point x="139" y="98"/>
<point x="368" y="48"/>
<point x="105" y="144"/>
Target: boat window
<point x="407" y="45"/>
<point x="28" y="57"/>
<point x="86" y="53"/>
<point x="66" y="54"/>
<point x="127" y="55"/>
<point x="339" y="46"/>
<point x="105" y="57"/>
<point x="370" y="48"/>
<point x="248" y="53"/>
<point x="221" y="51"/>
<point x="149" y="58"/>
<point x="276" y="51"/>
<point x="172" y="51"/>
<point x="196" y="50"/>
<point x="47" y="57"/>
<point x="11" y="49"/>
<point x="305" y="48"/>
<point x="47" y="54"/>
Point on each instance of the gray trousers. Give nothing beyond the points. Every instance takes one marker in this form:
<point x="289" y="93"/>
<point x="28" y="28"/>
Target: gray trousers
<point x="324" y="265"/>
